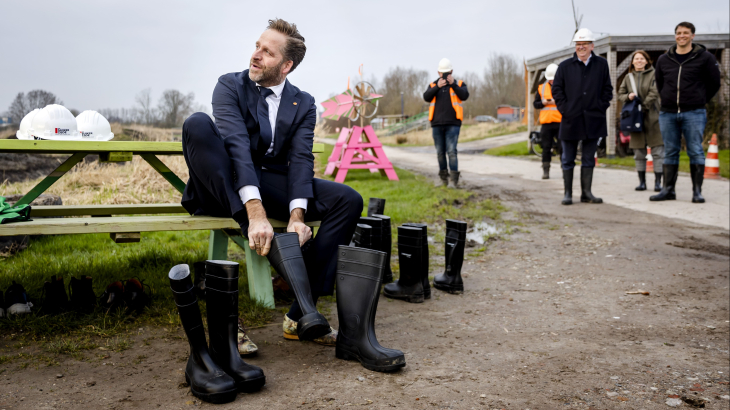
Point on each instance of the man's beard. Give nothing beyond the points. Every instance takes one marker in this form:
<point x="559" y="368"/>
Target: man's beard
<point x="269" y="75"/>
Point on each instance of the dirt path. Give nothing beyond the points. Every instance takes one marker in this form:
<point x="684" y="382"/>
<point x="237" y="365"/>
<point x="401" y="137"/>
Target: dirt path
<point x="545" y="323"/>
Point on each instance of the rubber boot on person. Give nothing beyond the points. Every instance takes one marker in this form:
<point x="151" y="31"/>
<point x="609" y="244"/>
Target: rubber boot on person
<point x="445" y="113"/>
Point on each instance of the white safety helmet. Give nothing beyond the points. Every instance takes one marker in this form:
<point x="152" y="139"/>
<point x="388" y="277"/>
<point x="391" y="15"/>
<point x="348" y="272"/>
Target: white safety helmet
<point x="93" y="126"/>
<point x="550" y="71"/>
<point x="445" y="65"/>
<point x="583" y="35"/>
<point x="25" y="124"/>
<point x="54" y="122"/>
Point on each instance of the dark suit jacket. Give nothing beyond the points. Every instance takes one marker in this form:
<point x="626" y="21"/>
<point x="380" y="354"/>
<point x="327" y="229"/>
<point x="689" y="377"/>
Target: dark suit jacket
<point x="583" y="93"/>
<point x="235" y="100"/>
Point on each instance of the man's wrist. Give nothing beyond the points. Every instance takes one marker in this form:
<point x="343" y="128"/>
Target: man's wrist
<point x="297" y="215"/>
<point x="255" y="209"/>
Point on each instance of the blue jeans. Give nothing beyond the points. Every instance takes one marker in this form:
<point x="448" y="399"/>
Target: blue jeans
<point x="445" y="138"/>
<point x="570" y="151"/>
<point x="691" y="124"/>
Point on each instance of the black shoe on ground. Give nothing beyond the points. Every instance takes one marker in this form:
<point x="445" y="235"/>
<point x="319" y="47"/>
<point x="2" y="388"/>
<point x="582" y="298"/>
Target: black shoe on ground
<point x="670" y="178"/>
<point x="642" y="181"/>
<point x="55" y="300"/>
<point x="568" y="186"/>
<point x="586" y="180"/>
<point x="16" y="300"/>
<point x="358" y="289"/>
<point x="658" y="181"/>
<point x="81" y="294"/>
<point x="207" y="380"/>
<point x="444" y="175"/>
<point x="409" y="286"/>
<point x="455" y="241"/>
<point x="545" y="170"/>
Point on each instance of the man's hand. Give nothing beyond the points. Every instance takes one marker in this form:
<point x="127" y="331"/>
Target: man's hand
<point x="260" y="232"/>
<point x="632" y="96"/>
<point x="450" y="79"/>
<point x="441" y="83"/>
<point x="296" y="224"/>
<point x="545" y="102"/>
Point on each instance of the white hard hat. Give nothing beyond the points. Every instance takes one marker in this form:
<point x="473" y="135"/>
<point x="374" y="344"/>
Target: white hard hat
<point x="550" y="71"/>
<point x="445" y="65"/>
<point x="54" y="122"/>
<point x="583" y="35"/>
<point x="25" y="125"/>
<point x="93" y="126"/>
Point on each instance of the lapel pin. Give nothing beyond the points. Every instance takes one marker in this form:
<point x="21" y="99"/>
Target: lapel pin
<point x="295" y="103"/>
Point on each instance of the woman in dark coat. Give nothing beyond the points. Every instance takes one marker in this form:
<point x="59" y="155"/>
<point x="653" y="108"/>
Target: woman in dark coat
<point x="644" y="77"/>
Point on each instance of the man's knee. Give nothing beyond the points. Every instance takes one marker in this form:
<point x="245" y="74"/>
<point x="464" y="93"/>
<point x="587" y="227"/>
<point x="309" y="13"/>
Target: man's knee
<point x="353" y="202"/>
<point x="197" y="125"/>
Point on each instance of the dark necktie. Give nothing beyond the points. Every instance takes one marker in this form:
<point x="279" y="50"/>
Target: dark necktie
<point x="264" y="124"/>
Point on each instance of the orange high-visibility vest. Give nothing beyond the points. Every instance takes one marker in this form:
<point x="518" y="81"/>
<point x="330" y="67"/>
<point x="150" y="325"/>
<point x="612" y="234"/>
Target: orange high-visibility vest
<point x="550" y="112"/>
<point x="455" y="102"/>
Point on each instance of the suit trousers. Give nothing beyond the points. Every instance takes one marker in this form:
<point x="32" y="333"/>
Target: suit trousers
<point x="570" y="151"/>
<point x="210" y="189"/>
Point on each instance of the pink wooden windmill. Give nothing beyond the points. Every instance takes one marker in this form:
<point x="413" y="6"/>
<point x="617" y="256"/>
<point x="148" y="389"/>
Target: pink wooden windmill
<point x="359" y="147"/>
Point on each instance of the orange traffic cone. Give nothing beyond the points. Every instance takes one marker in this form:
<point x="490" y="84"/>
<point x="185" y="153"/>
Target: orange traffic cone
<point x="712" y="163"/>
<point x="649" y="160"/>
<point x="595" y="156"/>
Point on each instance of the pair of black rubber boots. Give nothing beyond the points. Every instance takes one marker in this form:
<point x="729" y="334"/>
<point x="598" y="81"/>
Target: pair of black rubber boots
<point x="215" y="373"/>
<point x="413" y="285"/>
<point x="56" y="300"/>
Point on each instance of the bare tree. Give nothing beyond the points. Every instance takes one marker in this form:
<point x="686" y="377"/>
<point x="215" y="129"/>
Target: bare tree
<point x="144" y="102"/>
<point x="174" y="107"/>
<point x="411" y="83"/>
<point x="25" y="103"/>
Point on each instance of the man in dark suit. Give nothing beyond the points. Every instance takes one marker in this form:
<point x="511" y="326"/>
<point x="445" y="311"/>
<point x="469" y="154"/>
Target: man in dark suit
<point x="582" y="91"/>
<point x="256" y="160"/>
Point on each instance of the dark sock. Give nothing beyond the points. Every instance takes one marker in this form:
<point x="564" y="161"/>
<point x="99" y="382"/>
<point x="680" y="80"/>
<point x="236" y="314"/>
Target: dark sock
<point x="295" y="313"/>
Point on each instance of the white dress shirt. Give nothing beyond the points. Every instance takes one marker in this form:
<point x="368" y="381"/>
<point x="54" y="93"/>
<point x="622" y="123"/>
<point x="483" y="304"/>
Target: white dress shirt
<point x="586" y="63"/>
<point x="250" y="192"/>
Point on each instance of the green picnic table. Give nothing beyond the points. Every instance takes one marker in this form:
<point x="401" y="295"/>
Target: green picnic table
<point x="124" y="223"/>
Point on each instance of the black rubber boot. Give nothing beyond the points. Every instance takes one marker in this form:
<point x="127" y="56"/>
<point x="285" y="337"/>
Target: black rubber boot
<point x="424" y="257"/>
<point x="363" y="236"/>
<point x="450" y="281"/>
<point x="642" y="181"/>
<point x="409" y="286"/>
<point x="221" y="287"/>
<point x="199" y="270"/>
<point x="55" y="300"/>
<point x="657" y="181"/>
<point x="286" y="258"/>
<point x="386" y="246"/>
<point x="207" y="380"/>
<point x="698" y="175"/>
<point x="81" y="294"/>
<point x="545" y="170"/>
<point x="586" y="180"/>
<point x="670" y="178"/>
<point x="376" y="206"/>
<point x="568" y="184"/>
<point x="376" y="234"/>
<point x="455" y="178"/>
<point x="444" y="175"/>
<point x="358" y="290"/>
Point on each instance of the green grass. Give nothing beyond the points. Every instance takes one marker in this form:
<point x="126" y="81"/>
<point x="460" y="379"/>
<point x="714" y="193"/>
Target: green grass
<point x="723" y="155"/>
<point x="511" y="150"/>
<point x="412" y="199"/>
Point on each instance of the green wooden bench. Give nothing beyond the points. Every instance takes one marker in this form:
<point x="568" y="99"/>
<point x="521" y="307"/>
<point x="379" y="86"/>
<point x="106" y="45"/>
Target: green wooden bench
<point x="124" y="223"/>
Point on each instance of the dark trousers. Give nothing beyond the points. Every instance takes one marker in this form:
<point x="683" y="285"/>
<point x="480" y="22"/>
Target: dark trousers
<point x="210" y="189"/>
<point x="548" y="132"/>
<point x="445" y="138"/>
<point x="570" y="150"/>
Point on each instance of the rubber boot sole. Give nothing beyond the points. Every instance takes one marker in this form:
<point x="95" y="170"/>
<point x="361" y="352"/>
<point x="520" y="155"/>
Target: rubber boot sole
<point x="390" y="365"/>
<point x="416" y="298"/>
<point x="453" y="289"/>
<point x="215" y="398"/>
<point x="312" y="326"/>
<point x="251" y="386"/>
<point x="591" y="201"/>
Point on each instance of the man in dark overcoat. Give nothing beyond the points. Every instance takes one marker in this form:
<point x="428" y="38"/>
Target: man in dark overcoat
<point x="582" y="91"/>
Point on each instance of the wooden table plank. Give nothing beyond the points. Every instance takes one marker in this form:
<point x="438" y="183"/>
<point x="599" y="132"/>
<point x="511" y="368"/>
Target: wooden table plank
<point x="86" y="210"/>
<point x="60" y="226"/>
<point x="72" y="147"/>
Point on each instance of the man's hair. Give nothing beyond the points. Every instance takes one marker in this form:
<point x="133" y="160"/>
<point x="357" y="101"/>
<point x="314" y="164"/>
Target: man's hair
<point x="686" y="24"/>
<point x="294" y="49"/>
<point x="646" y="56"/>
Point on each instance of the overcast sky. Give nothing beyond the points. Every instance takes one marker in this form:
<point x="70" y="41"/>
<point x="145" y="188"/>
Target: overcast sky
<point x="99" y="54"/>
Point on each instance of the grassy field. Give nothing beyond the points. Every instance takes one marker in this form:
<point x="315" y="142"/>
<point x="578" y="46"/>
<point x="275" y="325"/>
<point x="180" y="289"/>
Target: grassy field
<point x="469" y="132"/>
<point x="512" y="150"/>
<point x="413" y="199"/>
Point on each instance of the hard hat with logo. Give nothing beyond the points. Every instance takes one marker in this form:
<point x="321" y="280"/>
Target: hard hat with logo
<point x="445" y="65"/>
<point x="550" y="71"/>
<point x="25" y="124"/>
<point x="583" y="35"/>
<point x="54" y="122"/>
<point x="93" y="126"/>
